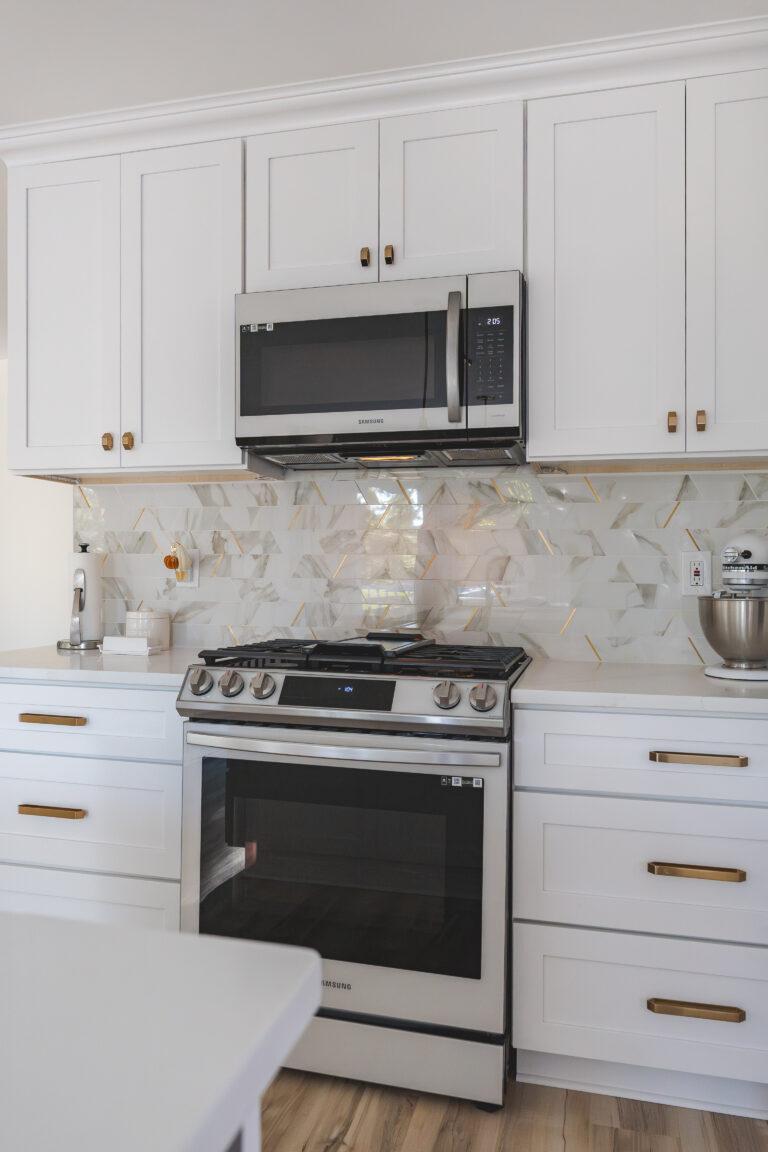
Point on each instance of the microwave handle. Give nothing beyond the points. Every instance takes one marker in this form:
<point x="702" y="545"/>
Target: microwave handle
<point x="453" y="395"/>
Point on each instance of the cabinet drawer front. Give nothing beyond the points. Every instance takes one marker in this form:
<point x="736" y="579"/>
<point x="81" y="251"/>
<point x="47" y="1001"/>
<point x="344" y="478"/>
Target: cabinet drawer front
<point x="128" y="723"/>
<point x="88" y="896"/>
<point x="108" y="815"/>
<point x="585" y="860"/>
<point x="581" y="993"/>
<point x="612" y="752"/>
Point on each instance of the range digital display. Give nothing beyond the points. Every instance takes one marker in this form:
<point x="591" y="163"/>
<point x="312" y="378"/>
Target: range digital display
<point x="337" y="692"/>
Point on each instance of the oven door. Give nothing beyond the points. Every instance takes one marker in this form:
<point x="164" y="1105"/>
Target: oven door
<point x="386" y="854"/>
<point x="350" y="362"/>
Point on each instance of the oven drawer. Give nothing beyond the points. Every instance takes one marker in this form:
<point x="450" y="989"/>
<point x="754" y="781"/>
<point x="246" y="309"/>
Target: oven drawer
<point x="83" y="720"/>
<point x="582" y="993"/>
<point x="77" y="812"/>
<point x="89" y="896"/>
<point x="696" y="757"/>
<point x="601" y="862"/>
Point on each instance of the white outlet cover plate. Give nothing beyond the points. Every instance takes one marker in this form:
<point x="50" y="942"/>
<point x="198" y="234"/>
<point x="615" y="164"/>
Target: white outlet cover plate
<point x="691" y="562"/>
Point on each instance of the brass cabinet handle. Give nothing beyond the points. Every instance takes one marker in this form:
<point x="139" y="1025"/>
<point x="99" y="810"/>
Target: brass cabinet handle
<point x="365" y="257"/>
<point x="701" y="1011"/>
<point x="52" y="810"/>
<point x="697" y="872"/>
<point x="128" y="441"/>
<point x="43" y="718"/>
<point x="698" y="758"/>
<point x="671" y="421"/>
<point x="389" y="254"/>
<point x="701" y="420"/>
<point x="107" y="441"/>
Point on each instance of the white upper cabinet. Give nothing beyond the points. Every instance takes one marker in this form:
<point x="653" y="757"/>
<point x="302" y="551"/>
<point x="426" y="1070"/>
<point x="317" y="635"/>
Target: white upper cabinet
<point x="452" y="192"/>
<point x="606" y="273"/>
<point x="312" y="205"/>
<point x="64" y="314"/>
<point x="182" y="233"/>
<point x="727" y="224"/>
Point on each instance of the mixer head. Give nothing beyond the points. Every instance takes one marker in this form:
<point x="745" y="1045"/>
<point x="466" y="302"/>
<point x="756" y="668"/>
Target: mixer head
<point x="745" y="563"/>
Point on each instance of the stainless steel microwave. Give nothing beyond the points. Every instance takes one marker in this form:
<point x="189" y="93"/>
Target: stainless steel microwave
<point x="381" y="368"/>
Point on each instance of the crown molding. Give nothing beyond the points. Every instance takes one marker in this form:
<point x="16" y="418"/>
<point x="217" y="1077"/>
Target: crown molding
<point x="675" y="54"/>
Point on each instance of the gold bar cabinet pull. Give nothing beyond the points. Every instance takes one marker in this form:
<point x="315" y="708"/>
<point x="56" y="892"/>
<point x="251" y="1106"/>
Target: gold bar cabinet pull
<point x="723" y="761"/>
<point x="365" y="257"/>
<point x="128" y="441"/>
<point x="671" y="421"/>
<point x="721" y="1012"/>
<point x="42" y="718"/>
<point x="389" y="254"/>
<point x="52" y="810"/>
<point x="701" y="420"/>
<point x="107" y="441"/>
<point x="697" y="872"/>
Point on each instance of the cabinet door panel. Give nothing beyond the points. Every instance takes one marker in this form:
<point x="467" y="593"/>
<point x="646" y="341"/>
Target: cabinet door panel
<point x="64" y="314"/>
<point x="312" y="202"/>
<point x="727" y="194"/>
<point x="90" y="896"/>
<point x="452" y="192"/>
<point x="606" y="272"/>
<point x="182" y="267"/>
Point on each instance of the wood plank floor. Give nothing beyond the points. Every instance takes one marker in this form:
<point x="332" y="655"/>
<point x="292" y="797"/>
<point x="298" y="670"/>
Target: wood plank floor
<point x="307" y="1113"/>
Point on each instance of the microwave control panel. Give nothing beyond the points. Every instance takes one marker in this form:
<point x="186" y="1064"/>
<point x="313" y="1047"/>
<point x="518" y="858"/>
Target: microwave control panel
<point x="490" y="355"/>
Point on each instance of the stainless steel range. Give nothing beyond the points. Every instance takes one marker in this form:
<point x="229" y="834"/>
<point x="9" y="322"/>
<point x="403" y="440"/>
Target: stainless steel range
<point x="354" y="798"/>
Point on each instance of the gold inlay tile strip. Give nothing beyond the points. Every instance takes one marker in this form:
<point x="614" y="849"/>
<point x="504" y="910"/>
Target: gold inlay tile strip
<point x="106" y="557"/>
<point x="317" y="489"/>
<point x="593" y="648"/>
<point x="87" y="501"/>
<point x="407" y="497"/>
<point x="298" y="613"/>
<point x="295" y="517"/>
<point x="237" y="542"/>
<point x="471" y="516"/>
<point x="135" y="525"/>
<point x="381" y="618"/>
<point x="229" y="629"/>
<point x="138" y="606"/>
<point x="216" y="565"/>
<point x="466" y="626"/>
<point x="592" y="490"/>
<point x="429" y="565"/>
<point x="341" y="565"/>
<point x="383" y="518"/>
<point x="693" y="540"/>
<point x="547" y="544"/>
<point x="671" y="515"/>
<point x="156" y="541"/>
<point x="314" y="634"/>
<point x="690" y="641"/>
<point x="666" y="629"/>
<point x="498" y="594"/>
<point x="501" y="497"/>
<point x="573" y="613"/>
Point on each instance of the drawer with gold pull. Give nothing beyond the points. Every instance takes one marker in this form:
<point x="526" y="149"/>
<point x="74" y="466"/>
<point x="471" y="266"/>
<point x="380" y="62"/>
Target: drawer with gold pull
<point x="699" y="757"/>
<point x="644" y="1000"/>
<point x="91" y="813"/>
<point x="90" y="720"/>
<point x="698" y="870"/>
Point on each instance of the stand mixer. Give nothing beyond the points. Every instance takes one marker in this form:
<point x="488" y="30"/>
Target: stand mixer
<point x="735" y="620"/>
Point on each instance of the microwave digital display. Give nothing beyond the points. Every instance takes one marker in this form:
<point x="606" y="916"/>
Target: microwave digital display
<point x="490" y="352"/>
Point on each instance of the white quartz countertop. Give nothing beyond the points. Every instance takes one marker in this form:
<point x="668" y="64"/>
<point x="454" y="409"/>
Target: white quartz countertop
<point x="163" y="670"/>
<point x="640" y="687"/>
<point x="139" y="1041"/>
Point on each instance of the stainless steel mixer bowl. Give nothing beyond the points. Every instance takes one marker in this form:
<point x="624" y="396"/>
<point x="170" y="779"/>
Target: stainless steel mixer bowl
<point x="737" y="629"/>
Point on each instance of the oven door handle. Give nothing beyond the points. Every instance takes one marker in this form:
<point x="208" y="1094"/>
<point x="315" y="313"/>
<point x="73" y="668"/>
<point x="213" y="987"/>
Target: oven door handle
<point x="332" y="752"/>
<point x="453" y="396"/>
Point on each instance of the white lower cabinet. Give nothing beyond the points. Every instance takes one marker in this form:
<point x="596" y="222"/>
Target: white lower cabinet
<point x="89" y="896"/>
<point x="592" y="994"/>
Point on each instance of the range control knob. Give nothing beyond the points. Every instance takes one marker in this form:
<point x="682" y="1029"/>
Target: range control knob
<point x="482" y="697"/>
<point x="231" y="683"/>
<point x="200" y="682"/>
<point x="262" y="685"/>
<point x="446" y="694"/>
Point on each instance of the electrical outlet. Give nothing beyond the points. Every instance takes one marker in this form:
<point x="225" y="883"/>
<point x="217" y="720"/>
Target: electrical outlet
<point x="696" y="574"/>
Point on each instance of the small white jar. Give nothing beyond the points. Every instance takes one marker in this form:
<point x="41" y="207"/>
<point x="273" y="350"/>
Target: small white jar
<point x="155" y="626"/>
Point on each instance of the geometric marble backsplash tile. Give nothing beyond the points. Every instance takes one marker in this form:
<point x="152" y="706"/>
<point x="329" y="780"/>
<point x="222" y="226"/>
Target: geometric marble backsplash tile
<point x="571" y="567"/>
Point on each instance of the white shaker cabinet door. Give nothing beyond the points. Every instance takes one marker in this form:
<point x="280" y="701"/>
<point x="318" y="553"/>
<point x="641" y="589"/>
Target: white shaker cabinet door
<point x="64" y="314"/>
<point x="606" y="273"/>
<point x="182" y="235"/>
<point x="312" y="206"/>
<point x="727" y="221"/>
<point x="452" y="192"/>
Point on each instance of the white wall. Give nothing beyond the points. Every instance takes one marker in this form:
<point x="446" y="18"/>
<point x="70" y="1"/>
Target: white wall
<point x="35" y="544"/>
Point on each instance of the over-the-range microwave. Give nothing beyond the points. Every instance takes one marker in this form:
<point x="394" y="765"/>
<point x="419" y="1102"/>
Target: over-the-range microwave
<point x="428" y="371"/>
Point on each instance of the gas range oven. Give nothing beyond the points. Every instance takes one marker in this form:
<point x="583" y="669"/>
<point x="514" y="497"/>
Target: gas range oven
<point x="354" y="797"/>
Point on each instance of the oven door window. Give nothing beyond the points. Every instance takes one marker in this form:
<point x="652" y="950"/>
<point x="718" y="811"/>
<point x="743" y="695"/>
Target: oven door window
<point x="359" y="363"/>
<point x="366" y="866"/>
